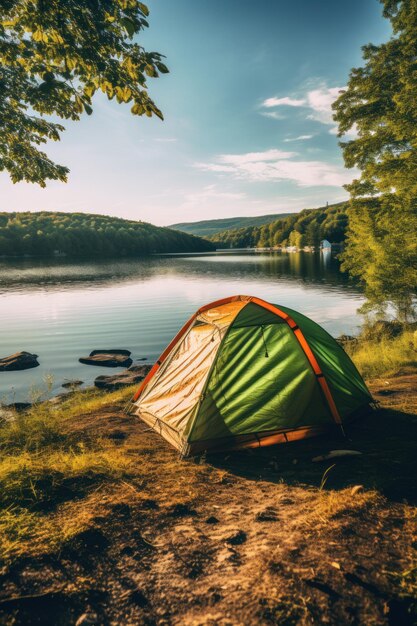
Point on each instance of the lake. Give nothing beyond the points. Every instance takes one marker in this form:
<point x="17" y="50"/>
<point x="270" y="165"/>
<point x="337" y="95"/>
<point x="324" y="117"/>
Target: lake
<point x="61" y="309"/>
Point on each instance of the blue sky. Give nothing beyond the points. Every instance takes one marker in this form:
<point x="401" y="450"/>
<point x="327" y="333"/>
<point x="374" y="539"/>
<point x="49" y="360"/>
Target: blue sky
<point x="247" y="130"/>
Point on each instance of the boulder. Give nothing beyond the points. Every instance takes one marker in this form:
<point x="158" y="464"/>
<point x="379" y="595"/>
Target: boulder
<point x="141" y="370"/>
<point x="131" y="376"/>
<point x="346" y="340"/>
<point x="19" y="406"/>
<point x="18" y="361"/>
<point x="108" y="358"/>
<point x="122" y="352"/>
<point x="62" y="397"/>
<point x="70" y="384"/>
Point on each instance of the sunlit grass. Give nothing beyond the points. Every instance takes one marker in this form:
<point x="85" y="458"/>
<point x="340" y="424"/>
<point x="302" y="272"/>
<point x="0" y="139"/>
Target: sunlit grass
<point x="31" y="478"/>
<point x="375" y="358"/>
<point x="44" y="463"/>
<point x="44" y="424"/>
<point x="331" y="507"/>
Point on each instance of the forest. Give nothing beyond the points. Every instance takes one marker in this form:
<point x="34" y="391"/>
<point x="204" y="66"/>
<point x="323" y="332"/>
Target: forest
<point x="209" y="228"/>
<point x="83" y="234"/>
<point x="306" y="228"/>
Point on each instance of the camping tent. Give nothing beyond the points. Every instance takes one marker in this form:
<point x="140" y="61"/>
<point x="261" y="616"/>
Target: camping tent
<point x="244" y="373"/>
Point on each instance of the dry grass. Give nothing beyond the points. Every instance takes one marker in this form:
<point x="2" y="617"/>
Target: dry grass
<point x="330" y="509"/>
<point x="44" y="463"/>
<point x="43" y="426"/>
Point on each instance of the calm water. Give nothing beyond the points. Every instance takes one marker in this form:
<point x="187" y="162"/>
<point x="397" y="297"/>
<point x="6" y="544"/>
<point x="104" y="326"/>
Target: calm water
<point x="62" y="310"/>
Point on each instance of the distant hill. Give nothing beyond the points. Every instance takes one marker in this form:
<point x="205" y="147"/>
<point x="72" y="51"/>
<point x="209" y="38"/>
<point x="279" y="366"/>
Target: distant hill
<point x="83" y="234"/>
<point x="305" y="228"/>
<point x="208" y="228"/>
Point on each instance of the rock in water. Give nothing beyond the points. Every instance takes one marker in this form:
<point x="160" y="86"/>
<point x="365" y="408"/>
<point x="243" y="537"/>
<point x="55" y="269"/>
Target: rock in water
<point x="122" y="352"/>
<point x="131" y="376"/>
<point x="18" y="361"/>
<point x="71" y="384"/>
<point x="108" y="358"/>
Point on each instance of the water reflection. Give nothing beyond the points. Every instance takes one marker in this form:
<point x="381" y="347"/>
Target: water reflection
<point x="62" y="310"/>
<point x="24" y="274"/>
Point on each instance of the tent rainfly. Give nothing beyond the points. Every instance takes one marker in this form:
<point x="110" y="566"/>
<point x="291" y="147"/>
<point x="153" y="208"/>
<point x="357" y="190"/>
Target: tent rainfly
<point x="245" y="373"/>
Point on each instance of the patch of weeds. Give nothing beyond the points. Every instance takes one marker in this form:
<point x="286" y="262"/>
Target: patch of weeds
<point x="334" y="506"/>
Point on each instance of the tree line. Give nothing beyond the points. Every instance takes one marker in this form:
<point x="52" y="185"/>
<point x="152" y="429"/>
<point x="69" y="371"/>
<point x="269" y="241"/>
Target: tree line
<point x="83" y="234"/>
<point x="306" y="228"/>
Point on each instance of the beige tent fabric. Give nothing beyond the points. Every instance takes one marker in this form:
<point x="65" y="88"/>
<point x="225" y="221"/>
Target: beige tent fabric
<point x="172" y="396"/>
<point x="222" y="316"/>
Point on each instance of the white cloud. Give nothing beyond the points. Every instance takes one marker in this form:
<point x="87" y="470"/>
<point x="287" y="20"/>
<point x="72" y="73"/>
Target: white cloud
<point x="273" y="115"/>
<point x="319" y="101"/>
<point x="277" y="102"/>
<point x="214" y="167"/>
<point x="275" y="165"/>
<point x="299" y="138"/>
<point x="255" y="157"/>
<point x="166" y="139"/>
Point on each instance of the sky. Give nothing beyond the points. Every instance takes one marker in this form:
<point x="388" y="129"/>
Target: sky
<point x="247" y="105"/>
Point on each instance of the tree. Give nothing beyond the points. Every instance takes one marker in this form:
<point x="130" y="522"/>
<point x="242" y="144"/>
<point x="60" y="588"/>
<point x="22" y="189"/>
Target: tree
<point x="264" y="241"/>
<point x="296" y="239"/>
<point x="54" y="56"/>
<point x="313" y="234"/>
<point x="380" y="101"/>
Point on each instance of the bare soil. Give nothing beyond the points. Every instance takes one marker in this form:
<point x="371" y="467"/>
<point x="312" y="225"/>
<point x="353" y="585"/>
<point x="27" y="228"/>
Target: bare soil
<point x="252" y="537"/>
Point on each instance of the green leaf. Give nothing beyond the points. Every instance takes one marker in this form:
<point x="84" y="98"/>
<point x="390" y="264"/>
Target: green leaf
<point x="143" y="8"/>
<point x="129" y="25"/>
<point x="162" y="67"/>
<point x="137" y="109"/>
<point x="150" y="71"/>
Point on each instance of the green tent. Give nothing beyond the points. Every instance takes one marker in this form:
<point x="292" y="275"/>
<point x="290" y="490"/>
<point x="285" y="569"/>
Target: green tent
<point x="246" y="373"/>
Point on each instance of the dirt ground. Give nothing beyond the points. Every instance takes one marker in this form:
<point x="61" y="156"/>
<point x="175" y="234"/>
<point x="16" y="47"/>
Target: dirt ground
<point x="252" y="537"/>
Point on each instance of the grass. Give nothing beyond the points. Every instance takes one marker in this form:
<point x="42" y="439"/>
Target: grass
<point x="44" y="425"/>
<point x="384" y="355"/>
<point x="332" y="506"/>
<point x="44" y="463"/>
